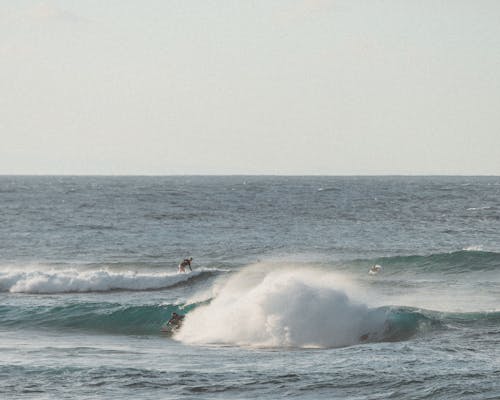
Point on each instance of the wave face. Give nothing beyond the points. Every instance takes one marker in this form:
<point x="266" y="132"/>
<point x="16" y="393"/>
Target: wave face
<point x="113" y="318"/>
<point x="46" y="280"/>
<point x="340" y="324"/>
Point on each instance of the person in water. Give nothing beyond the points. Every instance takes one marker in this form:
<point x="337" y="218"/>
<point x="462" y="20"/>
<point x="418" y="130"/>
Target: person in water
<point x="375" y="269"/>
<point x="176" y="319"/>
<point x="185" y="263"/>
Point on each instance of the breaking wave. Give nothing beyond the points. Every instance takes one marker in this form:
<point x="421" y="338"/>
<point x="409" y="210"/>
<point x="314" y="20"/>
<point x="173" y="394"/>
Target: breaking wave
<point x="383" y="324"/>
<point x="299" y="307"/>
<point x="259" y="306"/>
<point x="71" y="280"/>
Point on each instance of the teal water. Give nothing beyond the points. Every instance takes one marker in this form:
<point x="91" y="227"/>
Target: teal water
<point x="280" y="303"/>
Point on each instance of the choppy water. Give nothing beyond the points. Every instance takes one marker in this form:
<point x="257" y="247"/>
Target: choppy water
<point x="280" y="302"/>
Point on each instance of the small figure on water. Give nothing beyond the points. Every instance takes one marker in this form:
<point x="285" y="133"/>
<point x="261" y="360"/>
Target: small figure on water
<point x="176" y="320"/>
<point x="185" y="263"/>
<point x="375" y="269"/>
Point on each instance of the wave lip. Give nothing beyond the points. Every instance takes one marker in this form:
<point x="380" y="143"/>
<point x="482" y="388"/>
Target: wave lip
<point x="72" y="280"/>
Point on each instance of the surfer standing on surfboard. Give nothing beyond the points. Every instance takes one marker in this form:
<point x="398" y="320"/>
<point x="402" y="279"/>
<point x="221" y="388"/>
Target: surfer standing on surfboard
<point x="185" y="263"/>
<point x="176" y="319"/>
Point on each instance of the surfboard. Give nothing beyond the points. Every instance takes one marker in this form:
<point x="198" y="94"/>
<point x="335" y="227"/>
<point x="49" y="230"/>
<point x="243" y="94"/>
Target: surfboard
<point x="168" y="329"/>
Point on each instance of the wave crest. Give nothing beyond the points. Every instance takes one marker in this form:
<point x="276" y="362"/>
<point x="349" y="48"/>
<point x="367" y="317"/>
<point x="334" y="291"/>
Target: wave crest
<point x="71" y="280"/>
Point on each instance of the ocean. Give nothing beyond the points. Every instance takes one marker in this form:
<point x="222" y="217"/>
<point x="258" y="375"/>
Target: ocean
<point x="281" y="302"/>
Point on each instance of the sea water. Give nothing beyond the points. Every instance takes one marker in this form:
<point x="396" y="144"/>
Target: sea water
<point x="280" y="302"/>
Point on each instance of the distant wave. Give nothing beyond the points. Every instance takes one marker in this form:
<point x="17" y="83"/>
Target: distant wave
<point x="45" y="280"/>
<point x="477" y="247"/>
<point x="471" y="259"/>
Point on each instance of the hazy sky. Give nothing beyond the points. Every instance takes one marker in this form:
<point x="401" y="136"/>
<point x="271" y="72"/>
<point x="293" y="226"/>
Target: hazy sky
<point x="271" y="86"/>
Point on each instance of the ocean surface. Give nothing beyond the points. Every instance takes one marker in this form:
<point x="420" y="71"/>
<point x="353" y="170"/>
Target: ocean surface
<point x="280" y="303"/>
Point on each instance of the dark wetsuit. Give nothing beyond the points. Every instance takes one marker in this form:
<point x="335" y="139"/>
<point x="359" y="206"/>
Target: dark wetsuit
<point x="176" y="320"/>
<point x="185" y="263"/>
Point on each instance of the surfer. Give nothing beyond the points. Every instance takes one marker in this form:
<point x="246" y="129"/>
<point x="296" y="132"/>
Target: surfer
<point x="185" y="263"/>
<point x="176" y="320"/>
<point x="375" y="269"/>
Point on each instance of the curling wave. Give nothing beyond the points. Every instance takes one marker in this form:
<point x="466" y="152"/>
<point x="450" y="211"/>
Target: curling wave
<point x="318" y="317"/>
<point x="299" y="307"/>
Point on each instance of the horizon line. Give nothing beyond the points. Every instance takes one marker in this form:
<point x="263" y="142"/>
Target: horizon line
<point x="249" y="174"/>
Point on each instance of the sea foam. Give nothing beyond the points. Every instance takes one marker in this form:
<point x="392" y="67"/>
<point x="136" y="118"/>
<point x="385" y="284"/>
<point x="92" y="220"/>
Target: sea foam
<point x="264" y="306"/>
<point x="55" y="280"/>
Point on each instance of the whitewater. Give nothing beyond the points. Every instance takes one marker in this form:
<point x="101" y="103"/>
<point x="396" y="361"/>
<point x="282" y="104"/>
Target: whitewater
<point x="280" y="302"/>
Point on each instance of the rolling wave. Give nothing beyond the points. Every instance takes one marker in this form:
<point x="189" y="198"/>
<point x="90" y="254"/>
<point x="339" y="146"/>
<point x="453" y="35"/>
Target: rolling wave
<point x="297" y="307"/>
<point x="264" y="305"/>
<point x="41" y="280"/>
<point x="380" y="324"/>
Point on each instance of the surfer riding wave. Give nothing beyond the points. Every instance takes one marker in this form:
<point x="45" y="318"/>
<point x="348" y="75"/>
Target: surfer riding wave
<point x="185" y="263"/>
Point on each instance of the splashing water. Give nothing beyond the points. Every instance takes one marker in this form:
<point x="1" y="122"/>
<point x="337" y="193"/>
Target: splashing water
<point x="284" y="307"/>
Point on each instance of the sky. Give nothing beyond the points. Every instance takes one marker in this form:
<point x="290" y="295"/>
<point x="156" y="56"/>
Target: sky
<point x="292" y="87"/>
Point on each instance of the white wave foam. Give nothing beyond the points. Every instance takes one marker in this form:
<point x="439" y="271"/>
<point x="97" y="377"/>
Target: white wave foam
<point x="476" y="247"/>
<point x="479" y="208"/>
<point x="43" y="280"/>
<point x="286" y="307"/>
